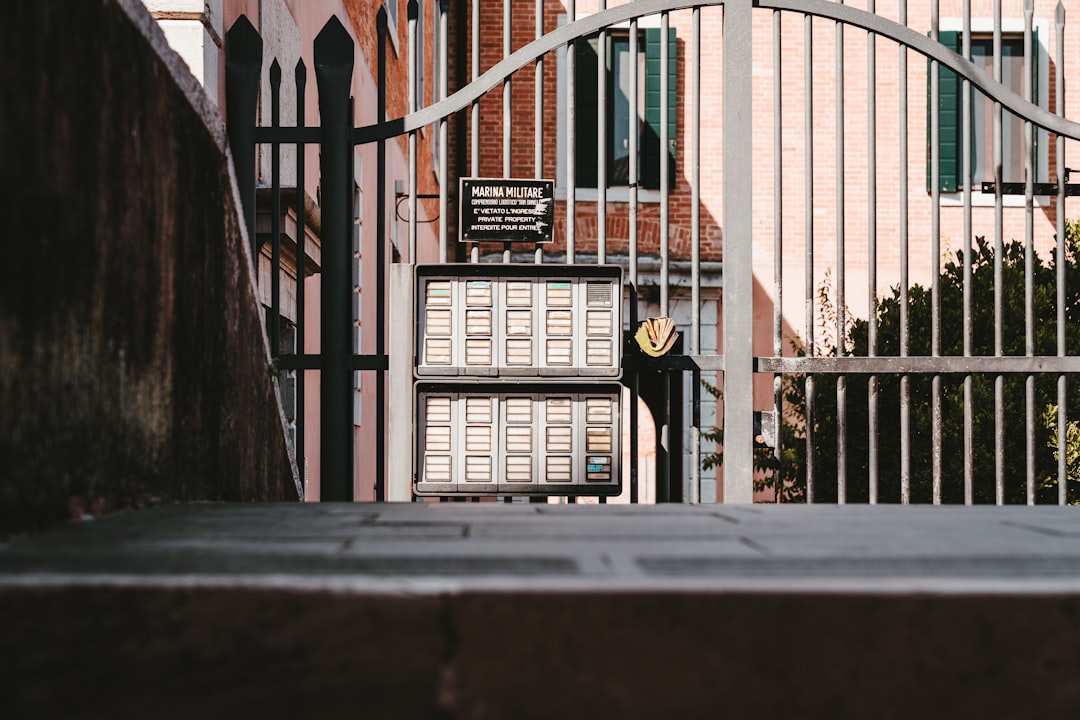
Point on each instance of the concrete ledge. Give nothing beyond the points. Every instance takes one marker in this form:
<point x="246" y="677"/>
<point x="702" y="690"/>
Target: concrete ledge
<point x="465" y="611"/>
<point x="134" y="366"/>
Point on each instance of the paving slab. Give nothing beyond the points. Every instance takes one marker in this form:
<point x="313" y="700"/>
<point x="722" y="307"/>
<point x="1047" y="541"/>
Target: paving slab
<point x="476" y="610"/>
<point x="455" y="547"/>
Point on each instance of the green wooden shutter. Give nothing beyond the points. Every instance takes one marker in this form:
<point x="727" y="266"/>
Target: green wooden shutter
<point x="650" y="142"/>
<point x="585" y="115"/>
<point x="949" y="159"/>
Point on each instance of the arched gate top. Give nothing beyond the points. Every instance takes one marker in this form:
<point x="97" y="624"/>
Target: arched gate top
<point x="827" y="9"/>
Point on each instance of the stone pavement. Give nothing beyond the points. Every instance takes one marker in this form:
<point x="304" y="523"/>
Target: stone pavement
<point x="492" y="610"/>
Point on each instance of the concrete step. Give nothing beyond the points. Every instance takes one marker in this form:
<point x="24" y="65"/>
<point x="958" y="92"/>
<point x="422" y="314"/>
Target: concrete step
<point x="491" y="610"/>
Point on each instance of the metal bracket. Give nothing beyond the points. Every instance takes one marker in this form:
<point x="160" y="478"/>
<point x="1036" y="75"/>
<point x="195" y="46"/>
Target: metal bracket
<point x="1016" y="188"/>
<point x="1019" y="188"/>
<point x="400" y="197"/>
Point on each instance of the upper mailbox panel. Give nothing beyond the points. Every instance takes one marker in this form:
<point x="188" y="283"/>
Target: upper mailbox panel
<point x="494" y="320"/>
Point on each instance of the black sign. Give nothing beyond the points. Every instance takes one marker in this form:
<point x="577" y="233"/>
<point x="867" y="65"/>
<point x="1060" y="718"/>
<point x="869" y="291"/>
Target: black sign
<point x="507" y="210"/>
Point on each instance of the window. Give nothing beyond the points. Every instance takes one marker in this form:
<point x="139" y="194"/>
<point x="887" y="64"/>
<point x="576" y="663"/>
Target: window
<point x="981" y="145"/>
<point x="618" y="109"/>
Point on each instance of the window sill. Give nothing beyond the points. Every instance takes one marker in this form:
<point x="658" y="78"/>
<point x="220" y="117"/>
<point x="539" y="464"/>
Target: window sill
<point x="614" y="194"/>
<point x="979" y="199"/>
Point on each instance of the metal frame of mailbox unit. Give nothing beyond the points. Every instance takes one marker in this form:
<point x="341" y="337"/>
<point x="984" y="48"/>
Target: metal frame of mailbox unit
<point x="478" y="320"/>
<point x="532" y="438"/>
<point x="516" y="374"/>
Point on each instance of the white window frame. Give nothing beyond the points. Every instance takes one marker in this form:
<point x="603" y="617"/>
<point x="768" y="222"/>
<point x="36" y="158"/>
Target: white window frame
<point x="1012" y="27"/>
<point x="614" y="194"/>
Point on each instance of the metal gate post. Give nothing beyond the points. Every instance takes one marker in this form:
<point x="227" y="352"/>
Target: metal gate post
<point x="738" y="257"/>
<point x="333" y="72"/>
<point x="243" y="65"/>
<point x="399" y="441"/>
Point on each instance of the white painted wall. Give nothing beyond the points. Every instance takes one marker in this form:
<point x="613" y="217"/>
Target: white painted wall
<point x="194" y="29"/>
<point x="281" y="41"/>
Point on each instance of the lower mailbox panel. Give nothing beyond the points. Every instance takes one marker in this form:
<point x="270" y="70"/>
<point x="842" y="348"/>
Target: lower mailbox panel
<point x="521" y="439"/>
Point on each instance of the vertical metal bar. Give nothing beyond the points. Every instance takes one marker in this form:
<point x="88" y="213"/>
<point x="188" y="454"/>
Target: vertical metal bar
<point x="333" y="50"/>
<point x="905" y="389"/>
<point x="663" y="480"/>
<point x="301" y="272"/>
<point x="935" y="252"/>
<point x="695" y="253"/>
<point x="694" y="481"/>
<point x="665" y="168"/>
<point x="738" y="258"/>
<point x="571" y="140"/>
<point x="635" y="496"/>
<point x="634" y="122"/>
<point x="663" y="442"/>
<point x="841" y="289"/>
<point x="243" y="67"/>
<point x="538" y="112"/>
<point x="414" y="48"/>
<point x="507" y="85"/>
<point x="474" y="165"/>
<point x="871" y="227"/>
<point x="935" y="420"/>
<point x="506" y="120"/>
<point x="444" y="68"/>
<point x="999" y="298"/>
<point x="1059" y="106"/>
<point x="1029" y="254"/>
<point x="601" y="149"/>
<point x="401" y="462"/>
<point x="778" y="245"/>
<point x="601" y="142"/>
<point x="381" y="244"/>
<point x="275" y="211"/>
<point x="632" y="261"/>
<point x="808" y="174"/>
<point x="966" y="174"/>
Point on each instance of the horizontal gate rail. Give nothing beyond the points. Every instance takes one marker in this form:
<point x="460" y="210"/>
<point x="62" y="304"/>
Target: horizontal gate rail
<point x="292" y="361"/>
<point x="954" y="364"/>
<point x="895" y="365"/>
